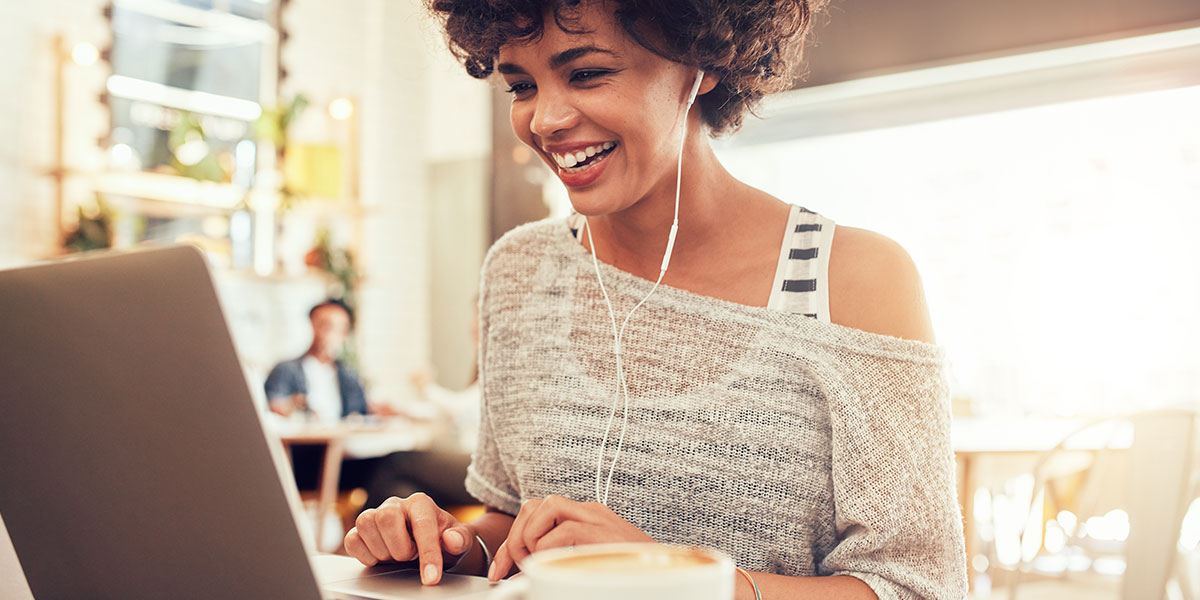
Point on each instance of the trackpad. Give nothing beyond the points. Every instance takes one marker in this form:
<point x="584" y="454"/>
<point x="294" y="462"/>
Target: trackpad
<point x="345" y="577"/>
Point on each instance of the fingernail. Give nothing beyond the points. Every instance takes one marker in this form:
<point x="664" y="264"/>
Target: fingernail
<point x="428" y="575"/>
<point x="492" y="571"/>
<point x="454" y="541"/>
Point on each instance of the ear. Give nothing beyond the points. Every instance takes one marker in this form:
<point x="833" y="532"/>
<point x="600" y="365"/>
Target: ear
<point x="709" y="82"/>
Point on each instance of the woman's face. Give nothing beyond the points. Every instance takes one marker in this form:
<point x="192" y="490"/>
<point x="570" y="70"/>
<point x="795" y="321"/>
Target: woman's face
<point x="601" y="110"/>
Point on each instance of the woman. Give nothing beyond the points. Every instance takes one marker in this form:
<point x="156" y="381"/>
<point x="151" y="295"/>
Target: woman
<point x="777" y="397"/>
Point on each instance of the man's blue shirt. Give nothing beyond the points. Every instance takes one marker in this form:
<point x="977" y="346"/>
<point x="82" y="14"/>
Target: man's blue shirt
<point x="287" y="379"/>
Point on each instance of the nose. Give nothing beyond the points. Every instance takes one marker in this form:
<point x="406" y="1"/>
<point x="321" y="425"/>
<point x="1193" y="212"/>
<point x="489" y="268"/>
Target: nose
<point x="553" y="113"/>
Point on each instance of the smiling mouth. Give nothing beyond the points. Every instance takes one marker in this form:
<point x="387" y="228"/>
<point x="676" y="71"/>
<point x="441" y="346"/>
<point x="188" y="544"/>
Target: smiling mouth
<point x="584" y="159"/>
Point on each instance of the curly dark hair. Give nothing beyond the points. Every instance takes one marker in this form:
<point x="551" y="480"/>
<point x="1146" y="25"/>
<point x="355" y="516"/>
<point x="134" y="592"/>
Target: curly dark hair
<point x="753" y="45"/>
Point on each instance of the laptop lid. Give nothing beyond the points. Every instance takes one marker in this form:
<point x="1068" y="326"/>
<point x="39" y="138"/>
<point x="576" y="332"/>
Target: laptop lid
<point x="133" y="463"/>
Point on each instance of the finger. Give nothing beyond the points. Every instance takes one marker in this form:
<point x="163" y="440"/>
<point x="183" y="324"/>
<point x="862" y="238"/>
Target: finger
<point x="457" y="539"/>
<point x="501" y="563"/>
<point x="553" y="512"/>
<point x="369" y="532"/>
<point x="571" y="533"/>
<point x="356" y="548"/>
<point x="516" y="534"/>
<point x="392" y="524"/>
<point x="427" y="533"/>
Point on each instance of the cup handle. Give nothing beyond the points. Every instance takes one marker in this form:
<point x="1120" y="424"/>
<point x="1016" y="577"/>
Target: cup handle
<point x="511" y="589"/>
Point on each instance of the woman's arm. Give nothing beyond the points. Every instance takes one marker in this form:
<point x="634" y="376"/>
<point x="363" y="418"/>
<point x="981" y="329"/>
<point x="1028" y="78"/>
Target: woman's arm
<point x="899" y="525"/>
<point x="492" y="527"/>
<point x="555" y="522"/>
<point x="782" y="587"/>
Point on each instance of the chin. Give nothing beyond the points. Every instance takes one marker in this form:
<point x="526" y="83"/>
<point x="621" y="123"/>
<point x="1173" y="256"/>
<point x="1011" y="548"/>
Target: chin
<point x="592" y="202"/>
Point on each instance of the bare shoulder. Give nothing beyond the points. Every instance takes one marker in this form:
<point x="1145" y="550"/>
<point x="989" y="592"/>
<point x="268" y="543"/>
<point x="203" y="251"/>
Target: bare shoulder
<point x="874" y="286"/>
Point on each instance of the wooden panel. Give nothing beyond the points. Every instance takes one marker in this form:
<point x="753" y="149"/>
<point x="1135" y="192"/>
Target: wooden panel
<point x="855" y="38"/>
<point x="515" y="199"/>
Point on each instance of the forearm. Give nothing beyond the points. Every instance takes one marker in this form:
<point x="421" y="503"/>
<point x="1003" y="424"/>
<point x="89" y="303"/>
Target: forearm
<point x="493" y="527"/>
<point x="782" y="587"/>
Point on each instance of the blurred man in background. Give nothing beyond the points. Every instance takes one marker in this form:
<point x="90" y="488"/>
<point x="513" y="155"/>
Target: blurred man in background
<point x="320" y="388"/>
<point x="317" y="382"/>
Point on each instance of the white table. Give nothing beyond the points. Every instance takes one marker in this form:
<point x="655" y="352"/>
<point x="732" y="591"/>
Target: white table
<point x="360" y="439"/>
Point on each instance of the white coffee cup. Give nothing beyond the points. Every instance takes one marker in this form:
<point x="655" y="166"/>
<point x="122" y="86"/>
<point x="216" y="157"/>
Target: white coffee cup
<point x="624" y="572"/>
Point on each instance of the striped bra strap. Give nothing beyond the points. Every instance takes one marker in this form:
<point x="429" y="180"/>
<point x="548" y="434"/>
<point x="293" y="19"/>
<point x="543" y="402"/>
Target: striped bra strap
<point x="802" y="274"/>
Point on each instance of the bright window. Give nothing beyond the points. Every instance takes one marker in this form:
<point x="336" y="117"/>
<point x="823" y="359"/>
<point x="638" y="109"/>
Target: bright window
<point x="1058" y="245"/>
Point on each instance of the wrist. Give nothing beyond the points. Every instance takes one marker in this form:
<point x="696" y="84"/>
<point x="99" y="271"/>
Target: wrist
<point x="747" y="588"/>
<point x="476" y="559"/>
<point x="487" y="554"/>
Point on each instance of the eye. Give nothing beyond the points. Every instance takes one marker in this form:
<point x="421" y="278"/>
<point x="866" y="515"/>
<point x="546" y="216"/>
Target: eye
<point x="520" y="88"/>
<point x="586" y="75"/>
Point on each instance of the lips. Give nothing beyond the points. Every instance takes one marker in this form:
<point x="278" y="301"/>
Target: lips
<point x="582" y="165"/>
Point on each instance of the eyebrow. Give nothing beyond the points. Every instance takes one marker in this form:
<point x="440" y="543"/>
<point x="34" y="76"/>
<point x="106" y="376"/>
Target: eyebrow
<point x="558" y="60"/>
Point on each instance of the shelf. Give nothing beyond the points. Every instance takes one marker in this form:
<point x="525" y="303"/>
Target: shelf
<point x="169" y="188"/>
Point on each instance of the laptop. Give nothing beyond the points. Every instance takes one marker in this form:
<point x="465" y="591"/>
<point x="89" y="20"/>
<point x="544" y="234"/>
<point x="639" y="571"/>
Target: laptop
<point x="133" y="461"/>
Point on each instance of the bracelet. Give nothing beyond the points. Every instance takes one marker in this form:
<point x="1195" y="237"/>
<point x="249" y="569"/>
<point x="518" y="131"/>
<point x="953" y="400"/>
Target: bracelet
<point x="487" y="554"/>
<point x="757" y="595"/>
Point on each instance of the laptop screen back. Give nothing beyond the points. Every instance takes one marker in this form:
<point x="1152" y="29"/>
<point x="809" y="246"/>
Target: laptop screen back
<point x="132" y="461"/>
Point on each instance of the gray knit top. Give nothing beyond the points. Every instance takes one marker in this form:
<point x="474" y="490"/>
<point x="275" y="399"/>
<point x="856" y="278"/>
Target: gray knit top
<point x="797" y="447"/>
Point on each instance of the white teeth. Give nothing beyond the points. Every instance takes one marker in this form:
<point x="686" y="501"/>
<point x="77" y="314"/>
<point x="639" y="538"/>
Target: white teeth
<point x="569" y="160"/>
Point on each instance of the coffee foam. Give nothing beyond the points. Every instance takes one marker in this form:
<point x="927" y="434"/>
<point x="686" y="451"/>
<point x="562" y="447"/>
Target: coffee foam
<point x="625" y="562"/>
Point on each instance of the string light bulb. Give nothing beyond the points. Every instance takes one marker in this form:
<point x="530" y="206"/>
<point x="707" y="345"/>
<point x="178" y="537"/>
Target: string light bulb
<point x="85" y="54"/>
<point x="341" y="109"/>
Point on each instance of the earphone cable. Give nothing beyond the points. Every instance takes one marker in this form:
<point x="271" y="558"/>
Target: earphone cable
<point x="616" y="350"/>
<point x="619" y="334"/>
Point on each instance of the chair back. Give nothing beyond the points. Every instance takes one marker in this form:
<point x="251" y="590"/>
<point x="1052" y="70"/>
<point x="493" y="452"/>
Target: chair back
<point x="1156" y="475"/>
<point x="1163" y="457"/>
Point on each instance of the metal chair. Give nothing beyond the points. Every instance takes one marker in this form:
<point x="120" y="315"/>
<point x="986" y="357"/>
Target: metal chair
<point x="1157" y="489"/>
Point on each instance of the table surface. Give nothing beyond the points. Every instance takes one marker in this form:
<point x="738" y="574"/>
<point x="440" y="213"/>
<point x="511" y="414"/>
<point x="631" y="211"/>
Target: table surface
<point x="345" y="575"/>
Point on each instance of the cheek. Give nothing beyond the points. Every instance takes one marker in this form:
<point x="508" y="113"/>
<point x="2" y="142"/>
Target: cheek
<point x="652" y="119"/>
<point x="519" y="118"/>
<point x="654" y="141"/>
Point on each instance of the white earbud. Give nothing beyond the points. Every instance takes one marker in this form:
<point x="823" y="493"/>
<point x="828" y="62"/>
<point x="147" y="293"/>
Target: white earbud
<point x="695" y="88"/>
<point x="602" y="492"/>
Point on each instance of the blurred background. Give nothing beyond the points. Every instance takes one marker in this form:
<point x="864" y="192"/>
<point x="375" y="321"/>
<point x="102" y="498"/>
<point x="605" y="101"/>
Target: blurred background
<point x="1039" y="159"/>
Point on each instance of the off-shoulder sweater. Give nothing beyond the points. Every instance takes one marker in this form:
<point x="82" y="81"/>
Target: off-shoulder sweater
<point x="797" y="447"/>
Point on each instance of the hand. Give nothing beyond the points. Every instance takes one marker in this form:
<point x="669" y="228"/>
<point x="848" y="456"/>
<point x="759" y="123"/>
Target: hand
<point x="422" y="377"/>
<point x="555" y="522"/>
<point x="286" y="405"/>
<point x="282" y="408"/>
<point x="382" y="408"/>
<point x="410" y="529"/>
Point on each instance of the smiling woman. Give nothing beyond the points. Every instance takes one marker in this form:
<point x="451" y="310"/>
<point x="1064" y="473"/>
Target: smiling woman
<point x="779" y="395"/>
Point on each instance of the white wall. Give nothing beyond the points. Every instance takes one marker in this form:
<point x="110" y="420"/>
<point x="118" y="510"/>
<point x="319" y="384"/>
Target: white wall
<point x="27" y="220"/>
<point x="459" y="145"/>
